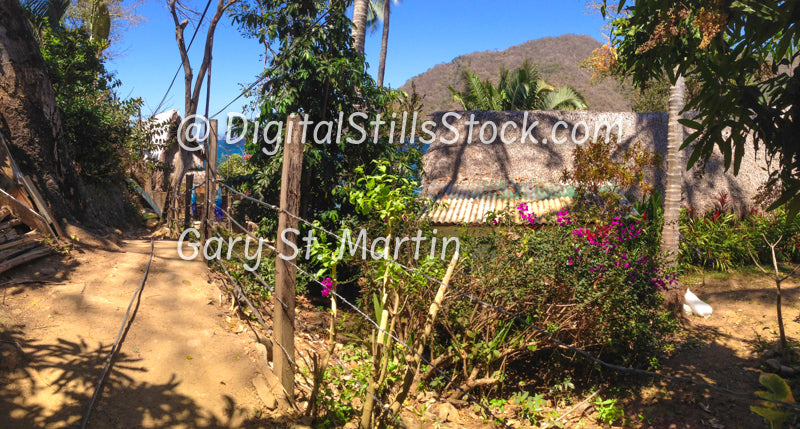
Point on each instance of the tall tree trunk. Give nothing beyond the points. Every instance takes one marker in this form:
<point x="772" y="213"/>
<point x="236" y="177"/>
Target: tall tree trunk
<point x="29" y="115"/>
<point x="670" y="234"/>
<point x="387" y="11"/>
<point x="359" y="24"/>
<point x="192" y="91"/>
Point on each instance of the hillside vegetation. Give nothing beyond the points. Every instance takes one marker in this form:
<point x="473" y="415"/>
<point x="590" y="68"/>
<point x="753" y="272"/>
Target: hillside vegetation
<point x="557" y="58"/>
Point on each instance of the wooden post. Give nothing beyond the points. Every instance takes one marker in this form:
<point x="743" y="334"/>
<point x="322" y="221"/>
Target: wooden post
<point x="285" y="272"/>
<point x="211" y="191"/>
<point x="187" y="211"/>
<point x="211" y="169"/>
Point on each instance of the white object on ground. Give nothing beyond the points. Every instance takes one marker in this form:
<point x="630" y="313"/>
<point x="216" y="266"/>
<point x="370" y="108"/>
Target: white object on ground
<point x="698" y="307"/>
<point x="687" y="310"/>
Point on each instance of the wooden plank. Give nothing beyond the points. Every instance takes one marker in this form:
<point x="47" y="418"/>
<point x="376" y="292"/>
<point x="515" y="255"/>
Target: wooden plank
<point x="146" y="197"/>
<point x="10" y="224"/>
<point x="4" y="212"/>
<point x="30" y="236"/>
<point x="8" y="236"/>
<point x="285" y="271"/>
<point x="24" y="258"/>
<point x="211" y="191"/>
<point x="19" y="248"/>
<point x="43" y="209"/>
<point x="28" y="216"/>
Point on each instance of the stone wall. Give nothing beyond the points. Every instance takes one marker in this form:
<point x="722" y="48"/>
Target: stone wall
<point x="453" y="158"/>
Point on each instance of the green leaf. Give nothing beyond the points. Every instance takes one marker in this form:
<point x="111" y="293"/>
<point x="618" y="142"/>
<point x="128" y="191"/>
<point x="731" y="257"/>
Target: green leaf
<point x="691" y="124"/>
<point x="376" y="302"/>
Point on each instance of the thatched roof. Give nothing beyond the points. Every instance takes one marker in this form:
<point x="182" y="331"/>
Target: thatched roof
<point x="515" y="162"/>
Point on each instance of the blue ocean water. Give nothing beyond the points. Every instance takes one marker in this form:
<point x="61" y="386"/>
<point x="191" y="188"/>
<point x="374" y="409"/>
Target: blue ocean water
<point x="224" y="149"/>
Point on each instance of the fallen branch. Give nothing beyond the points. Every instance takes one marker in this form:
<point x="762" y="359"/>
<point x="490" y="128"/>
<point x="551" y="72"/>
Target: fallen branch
<point x="16" y="247"/>
<point x="580" y="404"/>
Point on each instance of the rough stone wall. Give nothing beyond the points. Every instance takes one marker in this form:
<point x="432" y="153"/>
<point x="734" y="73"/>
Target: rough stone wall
<point x="451" y="157"/>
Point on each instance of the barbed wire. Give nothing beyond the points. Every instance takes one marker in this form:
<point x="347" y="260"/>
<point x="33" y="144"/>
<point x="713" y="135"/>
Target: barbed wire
<point x="270" y="332"/>
<point x="548" y="335"/>
<point x="291" y="46"/>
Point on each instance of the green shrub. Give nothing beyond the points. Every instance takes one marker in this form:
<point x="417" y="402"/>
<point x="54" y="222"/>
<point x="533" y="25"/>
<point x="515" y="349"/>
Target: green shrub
<point x="102" y="138"/>
<point x="594" y="287"/>
<point x="722" y="240"/>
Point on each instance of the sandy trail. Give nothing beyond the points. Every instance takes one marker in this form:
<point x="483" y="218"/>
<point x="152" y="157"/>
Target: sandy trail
<point x="180" y="364"/>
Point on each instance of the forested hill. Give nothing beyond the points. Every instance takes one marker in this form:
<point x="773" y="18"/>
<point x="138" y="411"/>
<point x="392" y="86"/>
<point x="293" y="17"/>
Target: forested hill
<point x="558" y="58"/>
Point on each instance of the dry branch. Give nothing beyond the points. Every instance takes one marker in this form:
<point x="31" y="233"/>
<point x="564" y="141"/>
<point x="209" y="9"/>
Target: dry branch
<point x="8" y="235"/>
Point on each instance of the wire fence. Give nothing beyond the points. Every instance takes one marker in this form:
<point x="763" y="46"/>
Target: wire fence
<point x="241" y="297"/>
<point x="527" y="324"/>
<point x="239" y="294"/>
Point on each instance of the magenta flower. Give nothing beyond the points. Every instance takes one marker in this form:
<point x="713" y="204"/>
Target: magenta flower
<point x="523" y="213"/>
<point x="327" y="286"/>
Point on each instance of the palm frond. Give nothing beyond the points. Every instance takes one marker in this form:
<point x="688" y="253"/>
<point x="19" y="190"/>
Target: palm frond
<point x="52" y="10"/>
<point x="564" y="98"/>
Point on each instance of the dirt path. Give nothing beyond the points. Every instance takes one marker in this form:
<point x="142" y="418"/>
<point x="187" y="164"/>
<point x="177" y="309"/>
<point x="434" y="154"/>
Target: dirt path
<point x="180" y="365"/>
<point x="728" y="349"/>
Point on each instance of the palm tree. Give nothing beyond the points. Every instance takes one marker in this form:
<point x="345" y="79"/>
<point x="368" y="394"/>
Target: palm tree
<point x="382" y="11"/>
<point x="52" y="10"/>
<point x="360" y="9"/>
<point x="522" y="89"/>
<point x="670" y="233"/>
<point x="98" y="23"/>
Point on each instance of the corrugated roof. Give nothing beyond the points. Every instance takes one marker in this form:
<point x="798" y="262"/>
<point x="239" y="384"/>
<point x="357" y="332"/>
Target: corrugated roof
<point x="469" y="201"/>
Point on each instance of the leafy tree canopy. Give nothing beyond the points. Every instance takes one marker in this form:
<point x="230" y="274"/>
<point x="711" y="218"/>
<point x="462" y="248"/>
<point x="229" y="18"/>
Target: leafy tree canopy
<point x="314" y="70"/>
<point x="101" y="134"/>
<point x="744" y="55"/>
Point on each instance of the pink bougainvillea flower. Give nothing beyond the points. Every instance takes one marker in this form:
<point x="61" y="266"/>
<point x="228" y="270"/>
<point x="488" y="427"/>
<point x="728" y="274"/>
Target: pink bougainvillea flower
<point x="327" y="286"/>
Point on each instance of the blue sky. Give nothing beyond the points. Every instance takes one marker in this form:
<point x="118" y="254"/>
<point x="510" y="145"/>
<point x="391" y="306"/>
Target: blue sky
<point x="423" y="33"/>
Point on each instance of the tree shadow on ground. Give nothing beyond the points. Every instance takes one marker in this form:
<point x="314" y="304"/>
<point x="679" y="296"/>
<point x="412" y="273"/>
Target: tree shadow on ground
<point x="53" y="384"/>
<point x="707" y="355"/>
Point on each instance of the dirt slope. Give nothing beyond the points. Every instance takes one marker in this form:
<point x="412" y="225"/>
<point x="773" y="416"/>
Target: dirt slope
<point x="179" y="365"/>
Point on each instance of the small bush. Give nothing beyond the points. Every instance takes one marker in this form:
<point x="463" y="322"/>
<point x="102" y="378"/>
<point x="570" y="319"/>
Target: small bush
<point x="722" y="240"/>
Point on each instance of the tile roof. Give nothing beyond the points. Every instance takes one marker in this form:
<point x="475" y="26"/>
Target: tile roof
<point x="469" y="201"/>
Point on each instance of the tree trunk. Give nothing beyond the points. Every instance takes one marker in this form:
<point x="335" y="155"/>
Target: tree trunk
<point x="359" y="24"/>
<point x="192" y="91"/>
<point x="387" y="10"/>
<point x="670" y="233"/>
<point x="29" y="115"/>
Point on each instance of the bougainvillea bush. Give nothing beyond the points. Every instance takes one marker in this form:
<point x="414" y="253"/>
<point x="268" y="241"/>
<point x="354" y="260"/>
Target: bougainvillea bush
<point x="593" y="286"/>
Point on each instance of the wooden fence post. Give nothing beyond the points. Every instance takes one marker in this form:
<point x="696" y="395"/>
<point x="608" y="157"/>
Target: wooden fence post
<point x="187" y="211"/>
<point x="211" y="174"/>
<point x="285" y="272"/>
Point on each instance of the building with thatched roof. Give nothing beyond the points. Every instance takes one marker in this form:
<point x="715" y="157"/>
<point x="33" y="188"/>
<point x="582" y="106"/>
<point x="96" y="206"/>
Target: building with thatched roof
<point x="521" y="156"/>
